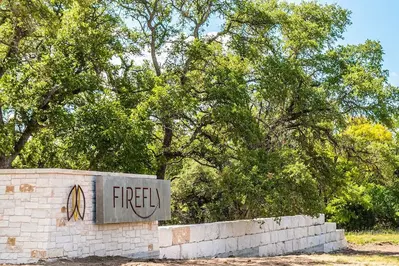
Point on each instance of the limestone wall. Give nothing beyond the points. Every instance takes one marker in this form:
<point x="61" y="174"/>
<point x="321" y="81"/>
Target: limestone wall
<point x="259" y="237"/>
<point x="34" y="224"/>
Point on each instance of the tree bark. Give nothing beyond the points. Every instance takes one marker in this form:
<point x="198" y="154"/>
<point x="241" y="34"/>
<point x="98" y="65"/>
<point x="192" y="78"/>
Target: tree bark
<point x="164" y="158"/>
<point x="5" y="162"/>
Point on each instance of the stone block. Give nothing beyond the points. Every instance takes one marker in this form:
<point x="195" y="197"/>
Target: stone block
<point x="219" y="246"/>
<point x="330" y="227"/>
<point x="312" y="241"/>
<point x="155" y="247"/>
<point x="211" y="231"/>
<point x="239" y="228"/>
<point x="274" y="236"/>
<point x="311" y="231"/>
<point x="269" y="225"/>
<point x="281" y="235"/>
<point x="113" y="246"/>
<point x="180" y="235"/>
<point x="244" y="242"/>
<point x="29" y="227"/>
<point x="99" y="252"/>
<point x="262" y="225"/>
<point x="23" y="219"/>
<point x="231" y="244"/>
<point x="8" y="256"/>
<point x="308" y="220"/>
<point x="317" y="230"/>
<point x="303" y="243"/>
<point x="189" y="250"/>
<point x="338" y="245"/>
<point x="277" y="223"/>
<point x="253" y="227"/>
<point x="322" y="239"/>
<point x="280" y="248"/>
<point x="9" y="212"/>
<point x="4" y="224"/>
<point x="126" y="246"/>
<point x="23" y="258"/>
<point x="265" y="238"/>
<point x="226" y="230"/>
<point x="334" y="246"/>
<point x="11" y="241"/>
<point x="165" y="236"/>
<point x="63" y="239"/>
<point x="315" y="220"/>
<point x="288" y="246"/>
<point x="331" y="237"/>
<point x="290" y="234"/>
<point x="255" y="240"/>
<point x="206" y="249"/>
<point x="328" y="247"/>
<point x="12" y="231"/>
<point x="31" y="205"/>
<point x="301" y="220"/>
<point x="41" y="214"/>
<point x="43" y="182"/>
<point x="286" y="222"/>
<point x="344" y="243"/>
<point x="296" y="245"/>
<point x="340" y="234"/>
<point x="40" y="254"/>
<point x="295" y="221"/>
<point x="318" y="239"/>
<point x="323" y="228"/>
<point x="27" y="188"/>
<point x="268" y="250"/>
<point x="300" y="232"/>
<point x="320" y="219"/>
<point x="9" y="189"/>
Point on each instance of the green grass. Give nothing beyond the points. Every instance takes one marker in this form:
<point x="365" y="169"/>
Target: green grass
<point x="373" y="237"/>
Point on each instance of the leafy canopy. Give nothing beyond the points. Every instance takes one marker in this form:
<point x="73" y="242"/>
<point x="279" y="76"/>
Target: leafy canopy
<point x="263" y="112"/>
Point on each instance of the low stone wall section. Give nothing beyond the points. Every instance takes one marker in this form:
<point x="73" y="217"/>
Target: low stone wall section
<point x="258" y="237"/>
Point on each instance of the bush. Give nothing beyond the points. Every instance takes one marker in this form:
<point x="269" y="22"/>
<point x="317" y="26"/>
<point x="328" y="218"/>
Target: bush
<point x="366" y="207"/>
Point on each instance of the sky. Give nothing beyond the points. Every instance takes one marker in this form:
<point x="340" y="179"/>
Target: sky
<point x="374" y="20"/>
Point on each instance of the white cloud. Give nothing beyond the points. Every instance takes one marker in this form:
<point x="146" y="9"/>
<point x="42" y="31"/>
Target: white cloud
<point x="394" y="78"/>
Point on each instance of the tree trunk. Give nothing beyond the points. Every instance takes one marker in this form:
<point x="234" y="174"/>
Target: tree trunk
<point x="5" y="162"/>
<point x="164" y="158"/>
<point x="161" y="170"/>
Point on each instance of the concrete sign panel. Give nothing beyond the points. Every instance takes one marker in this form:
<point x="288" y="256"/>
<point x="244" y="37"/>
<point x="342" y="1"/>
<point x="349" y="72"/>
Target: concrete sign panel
<point x="127" y="199"/>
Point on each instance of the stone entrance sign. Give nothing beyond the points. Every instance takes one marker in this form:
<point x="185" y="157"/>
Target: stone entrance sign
<point x="126" y="199"/>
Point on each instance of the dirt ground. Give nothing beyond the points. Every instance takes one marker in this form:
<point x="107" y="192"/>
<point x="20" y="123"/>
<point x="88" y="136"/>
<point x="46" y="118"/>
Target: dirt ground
<point x="371" y="254"/>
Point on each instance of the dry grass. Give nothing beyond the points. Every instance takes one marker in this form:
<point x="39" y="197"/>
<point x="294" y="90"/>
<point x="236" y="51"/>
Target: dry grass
<point x="370" y="237"/>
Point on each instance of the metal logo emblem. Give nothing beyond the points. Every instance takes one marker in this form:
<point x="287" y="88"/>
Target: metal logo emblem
<point x="75" y="206"/>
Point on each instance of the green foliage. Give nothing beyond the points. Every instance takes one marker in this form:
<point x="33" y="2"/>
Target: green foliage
<point x="268" y="116"/>
<point x="52" y="57"/>
<point x="366" y="207"/>
<point x="110" y="138"/>
<point x="369" y="199"/>
<point x="203" y="194"/>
